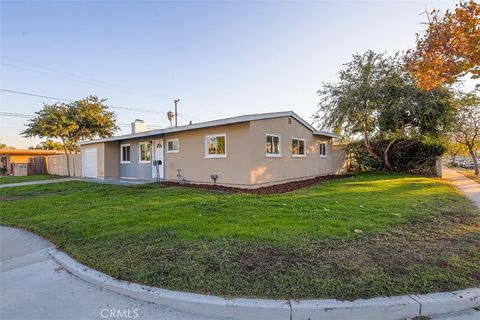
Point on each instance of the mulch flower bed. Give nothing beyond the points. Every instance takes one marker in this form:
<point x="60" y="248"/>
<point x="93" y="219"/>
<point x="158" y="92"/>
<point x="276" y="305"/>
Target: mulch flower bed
<point x="279" y="188"/>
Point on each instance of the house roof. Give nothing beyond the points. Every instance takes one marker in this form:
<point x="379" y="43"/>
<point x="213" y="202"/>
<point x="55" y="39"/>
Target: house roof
<point x="215" y="123"/>
<point x="24" y="152"/>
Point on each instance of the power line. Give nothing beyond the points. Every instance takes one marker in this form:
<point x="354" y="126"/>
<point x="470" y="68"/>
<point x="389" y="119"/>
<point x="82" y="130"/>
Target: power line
<point x="16" y="115"/>
<point x="30" y="116"/>
<point x="56" y="73"/>
<point x="69" y="100"/>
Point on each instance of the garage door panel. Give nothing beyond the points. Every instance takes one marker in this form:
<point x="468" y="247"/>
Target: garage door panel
<point x="89" y="162"/>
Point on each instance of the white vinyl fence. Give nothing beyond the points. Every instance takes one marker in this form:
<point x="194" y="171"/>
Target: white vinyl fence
<point x="57" y="164"/>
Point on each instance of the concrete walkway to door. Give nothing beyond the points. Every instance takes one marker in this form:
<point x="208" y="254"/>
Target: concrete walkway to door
<point x="29" y="183"/>
<point x="469" y="187"/>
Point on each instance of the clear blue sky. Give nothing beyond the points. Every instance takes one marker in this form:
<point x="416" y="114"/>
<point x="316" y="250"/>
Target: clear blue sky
<point x="220" y="59"/>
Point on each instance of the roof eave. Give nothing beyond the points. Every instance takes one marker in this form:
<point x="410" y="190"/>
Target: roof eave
<point x="327" y="134"/>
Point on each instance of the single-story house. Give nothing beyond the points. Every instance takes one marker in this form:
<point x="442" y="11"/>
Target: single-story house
<point x="246" y="151"/>
<point x="11" y="157"/>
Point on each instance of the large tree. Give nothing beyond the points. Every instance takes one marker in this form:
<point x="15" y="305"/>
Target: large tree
<point x="83" y="119"/>
<point x="406" y="110"/>
<point x="350" y="105"/>
<point x="466" y="128"/>
<point x="378" y="99"/>
<point x="449" y="49"/>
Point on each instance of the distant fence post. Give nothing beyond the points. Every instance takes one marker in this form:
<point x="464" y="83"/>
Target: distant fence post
<point x="438" y="167"/>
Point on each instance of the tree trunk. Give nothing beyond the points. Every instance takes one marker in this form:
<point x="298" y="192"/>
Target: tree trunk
<point x="68" y="157"/>
<point x="474" y="158"/>
<point x="386" y="156"/>
<point x="367" y="143"/>
<point x="453" y="158"/>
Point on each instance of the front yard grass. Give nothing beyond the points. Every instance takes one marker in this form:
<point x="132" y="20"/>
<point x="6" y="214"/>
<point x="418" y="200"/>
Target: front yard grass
<point x="364" y="236"/>
<point x="16" y="179"/>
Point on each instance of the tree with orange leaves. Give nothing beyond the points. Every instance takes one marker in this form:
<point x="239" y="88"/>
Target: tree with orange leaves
<point x="450" y="48"/>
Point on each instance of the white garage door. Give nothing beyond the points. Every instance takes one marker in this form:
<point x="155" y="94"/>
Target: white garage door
<point x="89" y="162"/>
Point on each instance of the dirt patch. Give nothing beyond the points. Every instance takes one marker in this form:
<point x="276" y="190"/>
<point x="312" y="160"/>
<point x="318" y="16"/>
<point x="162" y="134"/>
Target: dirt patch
<point x="279" y="188"/>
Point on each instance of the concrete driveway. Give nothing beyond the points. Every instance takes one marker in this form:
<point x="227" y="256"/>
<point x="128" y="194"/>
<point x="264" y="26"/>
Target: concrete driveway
<point x="33" y="286"/>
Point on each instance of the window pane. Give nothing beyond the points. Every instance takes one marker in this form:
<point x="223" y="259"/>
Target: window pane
<point x="220" y="145"/>
<point x="211" y="143"/>
<point x="294" y="146"/>
<point x="142" y="152"/>
<point x="126" y="153"/>
<point x="269" y="144"/>
<point x="276" y="145"/>
<point x="301" y="147"/>
<point x="323" y="149"/>
<point x="148" y="153"/>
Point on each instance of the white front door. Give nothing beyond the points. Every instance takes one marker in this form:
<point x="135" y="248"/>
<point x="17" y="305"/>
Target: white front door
<point x="157" y="156"/>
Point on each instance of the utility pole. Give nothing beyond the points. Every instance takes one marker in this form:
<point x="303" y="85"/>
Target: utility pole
<point x="176" y="114"/>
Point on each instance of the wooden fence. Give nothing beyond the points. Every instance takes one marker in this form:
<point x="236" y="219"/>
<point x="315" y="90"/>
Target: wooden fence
<point x="57" y="164"/>
<point x="37" y="165"/>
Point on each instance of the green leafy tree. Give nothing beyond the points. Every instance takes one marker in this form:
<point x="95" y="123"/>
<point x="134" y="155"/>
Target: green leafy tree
<point x="377" y="98"/>
<point x="83" y="119"/>
<point x="350" y="105"/>
<point x="49" y="144"/>
<point x="466" y="128"/>
<point x="4" y="146"/>
<point x="453" y="148"/>
<point x="406" y="110"/>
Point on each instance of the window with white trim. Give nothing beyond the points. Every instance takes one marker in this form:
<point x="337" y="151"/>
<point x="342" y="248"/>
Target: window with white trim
<point x="216" y="146"/>
<point x="298" y="147"/>
<point x="173" y="146"/>
<point x="272" y="145"/>
<point x="125" y="153"/>
<point x="145" y="152"/>
<point x="323" y="149"/>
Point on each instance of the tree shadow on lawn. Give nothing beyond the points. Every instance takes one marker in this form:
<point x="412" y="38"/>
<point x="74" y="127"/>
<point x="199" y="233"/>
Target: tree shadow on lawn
<point x="439" y="253"/>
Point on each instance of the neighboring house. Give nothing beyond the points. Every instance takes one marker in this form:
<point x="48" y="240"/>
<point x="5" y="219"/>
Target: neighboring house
<point x="246" y="151"/>
<point x="9" y="158"/>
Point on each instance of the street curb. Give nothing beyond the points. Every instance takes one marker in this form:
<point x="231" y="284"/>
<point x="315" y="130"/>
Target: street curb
<point x="389" y="308"/>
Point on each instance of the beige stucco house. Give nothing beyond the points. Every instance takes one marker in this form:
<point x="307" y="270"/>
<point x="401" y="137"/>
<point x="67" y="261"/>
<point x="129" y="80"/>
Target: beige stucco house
<point x="247" y="151"/>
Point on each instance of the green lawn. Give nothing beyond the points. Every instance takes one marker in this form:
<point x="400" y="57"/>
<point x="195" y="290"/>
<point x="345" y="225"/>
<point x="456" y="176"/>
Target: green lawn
<point x="417" y="235"/>
<point x="12" y="179"/>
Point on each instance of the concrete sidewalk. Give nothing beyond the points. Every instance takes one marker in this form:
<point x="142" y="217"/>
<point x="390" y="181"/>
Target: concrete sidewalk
<point x="469" y="187"/>
<point x="34" y="286"/>
<point x="29" y="183"/>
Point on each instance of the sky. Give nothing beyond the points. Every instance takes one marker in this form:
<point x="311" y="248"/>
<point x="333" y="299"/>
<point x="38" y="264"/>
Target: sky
<point x="220" y="59"/>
